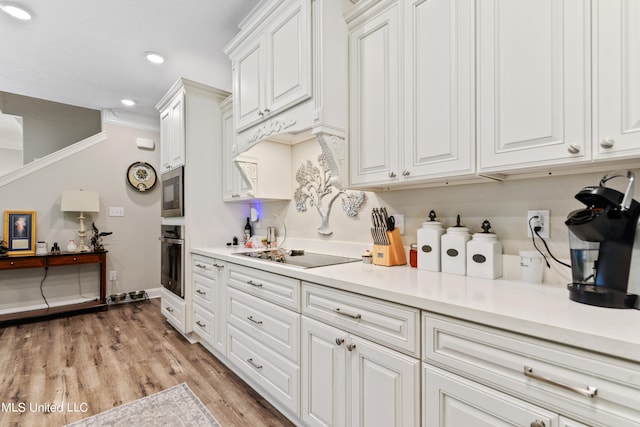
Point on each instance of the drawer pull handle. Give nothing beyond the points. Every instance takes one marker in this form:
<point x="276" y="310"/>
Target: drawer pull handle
<point x="252" y="283"/>
<point x="201" y="266"/>
<point x="202" y="325"/>
<point x="254" y="364"/>
<point x="353" y="316"/>
<point x="218" y="266"/>
<point x="170" y="310"/>
<point x="257" y="322"/>
<point x="198" y="291"/>
<point x="537" y="423"/>
<point x="588" y="392"/>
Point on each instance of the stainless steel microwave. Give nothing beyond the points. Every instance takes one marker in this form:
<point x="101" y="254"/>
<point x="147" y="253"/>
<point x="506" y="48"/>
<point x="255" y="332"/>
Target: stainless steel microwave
<point x="173" y="192"/>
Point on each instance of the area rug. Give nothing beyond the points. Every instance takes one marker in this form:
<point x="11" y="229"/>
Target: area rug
<point x="176" y="406"/>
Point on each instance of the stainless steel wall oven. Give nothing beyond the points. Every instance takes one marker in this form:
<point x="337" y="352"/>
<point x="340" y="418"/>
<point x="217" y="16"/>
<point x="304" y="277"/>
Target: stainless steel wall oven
<point x="172" y="259"/>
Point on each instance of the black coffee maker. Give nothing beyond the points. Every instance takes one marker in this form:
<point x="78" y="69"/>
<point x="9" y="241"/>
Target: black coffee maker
<point x="601" y="239"/>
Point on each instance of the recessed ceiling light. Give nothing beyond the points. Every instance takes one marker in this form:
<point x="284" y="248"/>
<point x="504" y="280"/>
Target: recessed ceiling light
<point x="16" y="11"/>
<point x="128" y="102"/>
<point x="154" y="57"/>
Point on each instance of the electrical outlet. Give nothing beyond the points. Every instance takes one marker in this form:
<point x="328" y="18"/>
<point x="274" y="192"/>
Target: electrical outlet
<point x="113" y="275"/>
<point x="541" y="218"/>
<point x="116" y="211"/>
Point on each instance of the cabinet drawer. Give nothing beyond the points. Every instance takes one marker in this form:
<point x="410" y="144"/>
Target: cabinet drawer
<point x="205" y="266"/>
<point x="276" y="327"/>
<point x="203" y="288"/>
<point x="546" y="373"/>
<point x="174" y="310"/>
<point x="203" y="323"/>
<point x="11" y="263"/>
<point x="73" y="259"/>
<point x="389" y="324"/>
<point x="281" y="290"/>
<point x="266" y="369"/>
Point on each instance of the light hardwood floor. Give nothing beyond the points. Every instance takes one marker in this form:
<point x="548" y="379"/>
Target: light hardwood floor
<point x="97" y="361"/>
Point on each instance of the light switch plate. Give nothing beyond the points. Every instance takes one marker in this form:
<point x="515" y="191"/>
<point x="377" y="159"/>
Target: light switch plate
<point x="116" y="211"/>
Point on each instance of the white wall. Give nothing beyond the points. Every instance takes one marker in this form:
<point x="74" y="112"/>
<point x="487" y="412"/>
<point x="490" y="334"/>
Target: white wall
<point x="504" y="204"/>
<point x="134" y="249"/>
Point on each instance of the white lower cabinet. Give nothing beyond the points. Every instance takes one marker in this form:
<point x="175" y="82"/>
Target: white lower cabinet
<point x="209" y="290"/>
<point x="478" y="375"/>
<point x="452" y="401"/>
<point x="348" y="380"/>
<point x="174" y="309"/>
<point x="263" y="333"/>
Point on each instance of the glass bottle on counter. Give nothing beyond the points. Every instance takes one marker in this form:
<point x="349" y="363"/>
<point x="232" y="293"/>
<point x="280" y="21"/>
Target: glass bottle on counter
<point x="413" y="255"/>
<point x="247" y="231"/>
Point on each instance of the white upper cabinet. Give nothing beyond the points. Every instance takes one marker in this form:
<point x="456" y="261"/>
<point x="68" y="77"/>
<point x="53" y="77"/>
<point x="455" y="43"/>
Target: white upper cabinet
<point x="533" y="83"/>
<point x="172" y="134"/>
<point x="412" y="91"/>
<point x="374" y="71"/>
<point x="439" y="139"/>
<point x="272" y="69"/>
<point x="616" y="79"/>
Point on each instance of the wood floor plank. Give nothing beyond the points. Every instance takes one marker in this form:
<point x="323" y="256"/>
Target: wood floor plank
<point x="108" y="358"/>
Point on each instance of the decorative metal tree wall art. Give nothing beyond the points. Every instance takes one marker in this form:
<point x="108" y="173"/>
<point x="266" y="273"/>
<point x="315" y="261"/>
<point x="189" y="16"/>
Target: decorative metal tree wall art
<point x="314" y="186"/>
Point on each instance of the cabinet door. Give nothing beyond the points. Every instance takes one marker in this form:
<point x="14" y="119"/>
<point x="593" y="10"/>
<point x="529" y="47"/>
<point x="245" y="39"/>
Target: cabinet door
<point x="616" y="78"/>
<point x="385" y="386"/>
<point x="248" y="91"/>
<point x="439" y="90"/>
<point x="288" y="58"/>
<point x="533" y="83"/>
<point x="165" y="140"/>
<point x="177" y="132"/>
<point x="231" y="180"/>
<point x="324" y="376"/>
<point x="374" y="60"/>
<point x="452" y="401"/>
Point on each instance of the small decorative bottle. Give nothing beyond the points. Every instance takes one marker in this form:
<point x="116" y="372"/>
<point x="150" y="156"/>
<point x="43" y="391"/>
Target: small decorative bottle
<point x="71" y="247"/>
<point x="429" y="244"/>
<point x="454" y="249"/>
<point x="484" y="254"/>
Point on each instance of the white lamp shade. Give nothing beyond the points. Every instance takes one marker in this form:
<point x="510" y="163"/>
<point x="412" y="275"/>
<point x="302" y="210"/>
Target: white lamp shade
<point x="79" y="201"/>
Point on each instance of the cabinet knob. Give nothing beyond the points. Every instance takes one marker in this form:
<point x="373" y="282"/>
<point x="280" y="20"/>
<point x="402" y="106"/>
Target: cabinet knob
<point x="260" y="113"/>
<point x="267" y="111"/>
<point x="351" y="347"/>
<point x="406" y="173"/>
<point x="392" y="174"/>
<point x="538" y="423"/>
<point x="339" y="341"/>
<point x="607" y="143"/>
<point x="574" y="148"/>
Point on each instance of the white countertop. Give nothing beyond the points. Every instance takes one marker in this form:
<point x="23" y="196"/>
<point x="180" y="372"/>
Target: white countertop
<point x="543" y="311"/>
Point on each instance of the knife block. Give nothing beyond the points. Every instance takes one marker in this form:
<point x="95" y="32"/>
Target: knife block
<point x="391" y="254"/>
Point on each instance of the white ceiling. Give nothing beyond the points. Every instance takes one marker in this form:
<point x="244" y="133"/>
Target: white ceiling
<point x="90" y="53"/>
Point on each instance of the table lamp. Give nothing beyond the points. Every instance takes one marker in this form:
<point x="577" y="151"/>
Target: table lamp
<point x="80" y="201"/>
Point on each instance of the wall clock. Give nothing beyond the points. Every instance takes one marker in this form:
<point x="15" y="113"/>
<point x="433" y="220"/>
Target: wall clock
<point x="142" y="176"/>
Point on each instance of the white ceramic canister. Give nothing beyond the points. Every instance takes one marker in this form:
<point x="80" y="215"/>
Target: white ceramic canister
<point x="429" y="244"/>
<point x="484" y="254"/>
<point x="453" y="249"/>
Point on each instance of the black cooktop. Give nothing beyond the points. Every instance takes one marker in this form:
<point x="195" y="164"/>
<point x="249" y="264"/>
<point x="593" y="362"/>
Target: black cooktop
<point x="297" y="258"/>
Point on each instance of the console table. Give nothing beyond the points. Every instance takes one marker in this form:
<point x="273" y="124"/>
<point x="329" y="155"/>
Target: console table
<point x="46" y="261"/>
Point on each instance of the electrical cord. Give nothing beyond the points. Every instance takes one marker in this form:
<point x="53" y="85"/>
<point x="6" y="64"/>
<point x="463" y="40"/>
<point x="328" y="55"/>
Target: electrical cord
<point x="46" y="270"/>
<point x="535" y="232"/>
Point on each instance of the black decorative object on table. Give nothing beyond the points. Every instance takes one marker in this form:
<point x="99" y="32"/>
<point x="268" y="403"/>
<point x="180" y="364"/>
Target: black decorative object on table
<point x="96" y="239"/>
<point x="3" y="248"/>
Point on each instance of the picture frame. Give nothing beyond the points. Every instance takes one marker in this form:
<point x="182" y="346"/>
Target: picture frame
<point x="20" y="232"/>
